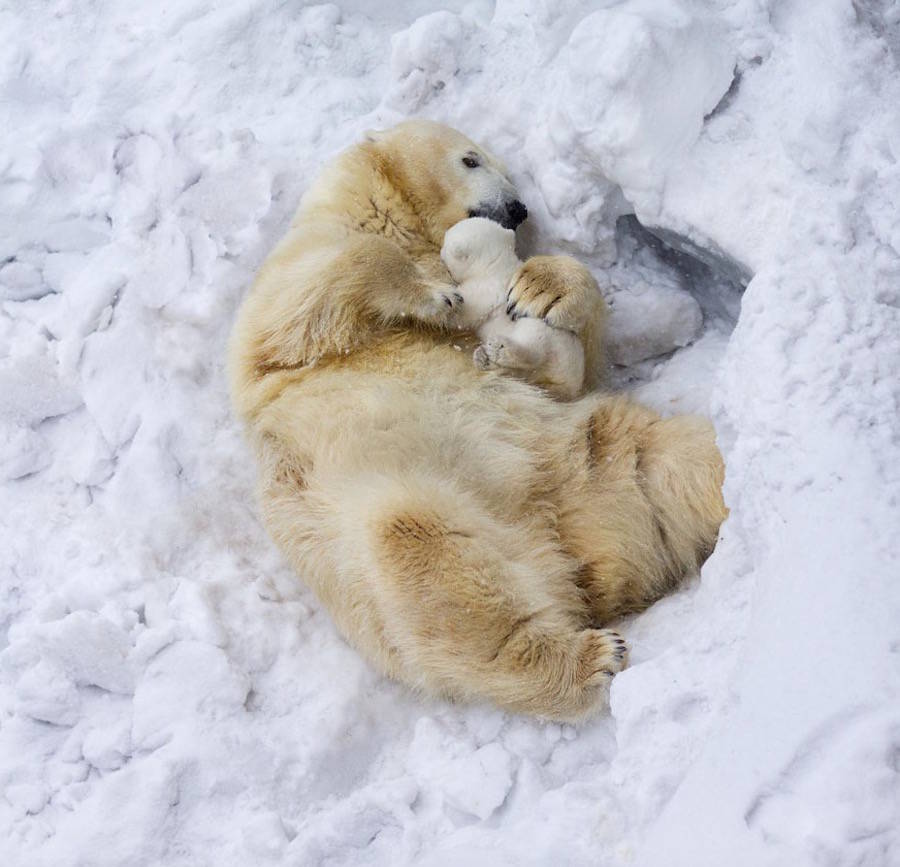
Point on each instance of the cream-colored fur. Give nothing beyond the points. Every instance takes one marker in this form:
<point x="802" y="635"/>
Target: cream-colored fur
<point x="469" y="534"/>
<point x="481" y="257"/>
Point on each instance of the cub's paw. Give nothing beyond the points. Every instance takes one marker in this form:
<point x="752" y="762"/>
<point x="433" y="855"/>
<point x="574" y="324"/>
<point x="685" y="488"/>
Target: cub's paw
<point x="557" y="289"/>
<point x="602" y="655"/>
<point x="487" y="356"/>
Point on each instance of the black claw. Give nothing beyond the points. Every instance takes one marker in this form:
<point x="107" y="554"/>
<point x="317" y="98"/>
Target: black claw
<point x="510" y="307"/>
<point x="447" y="301"/>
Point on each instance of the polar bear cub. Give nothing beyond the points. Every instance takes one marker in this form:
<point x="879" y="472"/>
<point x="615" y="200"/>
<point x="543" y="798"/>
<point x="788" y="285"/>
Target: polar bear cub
<point x="480" y="256"/>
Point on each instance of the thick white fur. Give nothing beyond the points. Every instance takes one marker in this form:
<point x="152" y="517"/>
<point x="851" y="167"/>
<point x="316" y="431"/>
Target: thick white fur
<point x="468" y="533"/>
<point x="481" y="257"/>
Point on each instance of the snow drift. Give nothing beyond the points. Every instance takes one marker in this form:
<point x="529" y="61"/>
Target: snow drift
<point x="171" y="694"/>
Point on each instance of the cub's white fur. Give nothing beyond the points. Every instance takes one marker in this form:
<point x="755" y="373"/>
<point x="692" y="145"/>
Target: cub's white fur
<point x="481" y="257"/>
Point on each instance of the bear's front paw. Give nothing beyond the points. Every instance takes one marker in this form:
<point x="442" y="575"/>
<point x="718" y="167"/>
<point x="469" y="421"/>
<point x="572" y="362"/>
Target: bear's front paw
<point x="442" y="305"/>
<point x="557" y="289"/>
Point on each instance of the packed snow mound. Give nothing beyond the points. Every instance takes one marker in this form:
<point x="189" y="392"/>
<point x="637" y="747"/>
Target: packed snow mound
<point x="642" y="77"/>
<point x="171" y="694"/>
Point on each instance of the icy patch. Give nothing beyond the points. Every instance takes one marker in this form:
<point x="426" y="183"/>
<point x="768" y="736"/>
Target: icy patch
<point x="642" y="302"/>
<point x="670" y="318"/>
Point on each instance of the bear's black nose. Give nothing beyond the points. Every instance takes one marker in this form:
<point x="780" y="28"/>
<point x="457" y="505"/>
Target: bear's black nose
<point x="517" y="213"/>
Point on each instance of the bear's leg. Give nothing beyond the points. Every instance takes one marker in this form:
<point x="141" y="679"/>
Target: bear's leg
<point x="372" y="277"/>
<point x="563" y="367"/>
<point x="645" y="510"/>
<point x="478" y="608"/>
<point x="682" y="475"/>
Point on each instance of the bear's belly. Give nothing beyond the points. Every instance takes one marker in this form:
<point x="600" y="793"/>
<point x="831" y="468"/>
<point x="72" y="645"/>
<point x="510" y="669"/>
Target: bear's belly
<point x="426" y="410"/>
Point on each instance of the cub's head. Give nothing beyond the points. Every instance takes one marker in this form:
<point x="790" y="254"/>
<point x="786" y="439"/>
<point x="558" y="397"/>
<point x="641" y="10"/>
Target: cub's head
<point x="443" y="177"/>
<point x="478" y="246"/>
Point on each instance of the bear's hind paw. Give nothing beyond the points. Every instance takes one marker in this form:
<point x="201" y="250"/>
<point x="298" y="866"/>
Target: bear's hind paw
<point x="603" y="655"/>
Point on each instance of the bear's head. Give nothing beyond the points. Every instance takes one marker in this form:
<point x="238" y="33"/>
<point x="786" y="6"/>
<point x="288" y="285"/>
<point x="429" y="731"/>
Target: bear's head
<point x="477" y="247"/>
<point x="443" y="177"/>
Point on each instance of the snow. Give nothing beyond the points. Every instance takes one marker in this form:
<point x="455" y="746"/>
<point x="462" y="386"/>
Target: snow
<point x="171" y="694"/>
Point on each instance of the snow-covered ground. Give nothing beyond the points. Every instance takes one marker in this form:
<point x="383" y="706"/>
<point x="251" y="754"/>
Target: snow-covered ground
<point x="170" y="694"/>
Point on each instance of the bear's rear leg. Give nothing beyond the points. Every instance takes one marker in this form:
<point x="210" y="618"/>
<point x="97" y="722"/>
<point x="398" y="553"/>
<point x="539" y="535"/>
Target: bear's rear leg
<point x="479" y="609"/>
<point x="649" y="509"/>
<point x="683" y="473"/>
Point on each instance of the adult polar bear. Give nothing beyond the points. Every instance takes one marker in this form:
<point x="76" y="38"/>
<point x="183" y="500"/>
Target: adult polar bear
<point x="468" y="533"/>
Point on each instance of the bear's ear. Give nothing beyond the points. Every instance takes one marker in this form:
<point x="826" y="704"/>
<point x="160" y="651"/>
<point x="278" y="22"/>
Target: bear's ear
<point x="373" y="135"/>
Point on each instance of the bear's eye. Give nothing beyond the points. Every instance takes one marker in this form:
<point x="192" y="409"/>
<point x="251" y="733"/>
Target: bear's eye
<point x="471" y="161"/>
